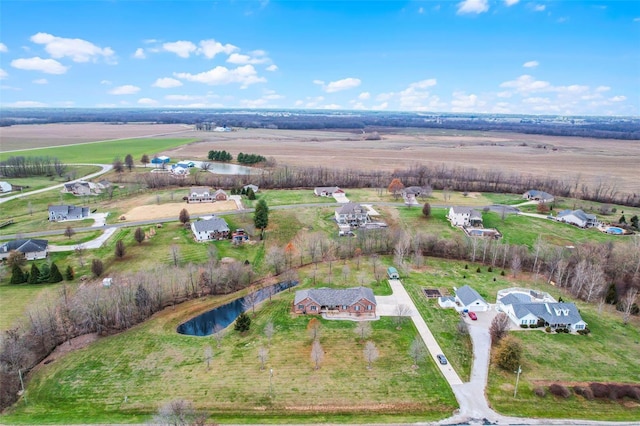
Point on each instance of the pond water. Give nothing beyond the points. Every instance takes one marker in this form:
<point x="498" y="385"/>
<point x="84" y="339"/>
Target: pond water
<point x="228" y="169"/>
<point x="205" y="324"/>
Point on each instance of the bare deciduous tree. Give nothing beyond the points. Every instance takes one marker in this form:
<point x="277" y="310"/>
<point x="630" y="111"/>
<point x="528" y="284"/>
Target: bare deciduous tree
<point x="263" y="356"/>
<point x="314" y="328"/>
<point x="417" y="351"/>
<point x="317" y="353"/>
<point x="69" y="232"/>
<point x="276" y="259"/>
<point x="250" y="301"/>
<point x="174" y="251"/>
<point x="371" y="353"/>
<point x="120" y="249"/>
<point x="97" y="267"/>
<point x="218" y="334"/>
<point x="363" y="330"/>
<point x="499" y="327"/>
<point x="516" y="265"/>
<point x="179" y="413"/>
<point x="208" y="355"/>
<point x="401" y="311"/>
<point x="269" y="331"/>
<point x="627" y="302"/>
<point x="139" y="235"/>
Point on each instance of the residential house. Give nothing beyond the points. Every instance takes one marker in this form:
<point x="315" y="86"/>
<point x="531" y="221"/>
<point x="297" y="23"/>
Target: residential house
<point x="81" y="188"/>
<point x="220" y="195"/>
<point x="352" y="214"/>
<point x="527" y="307"/>
<point x="533" y="194"/>
<point x="577" y="218"/>
<point x="215" y="228"/>
<point x="200" y="194"/>
<point x="469" y="299"/>
<point x="59" y="213"/>
<point x="185" y="164"/>
<point x="5" y="187"/>
<point x="327" y="191"/>
<point x="252" y="187"/>
<point x="31" y="248"/>
<point x="412" y="192"/>
<point x="160" y="161"/>
<point x="350" y="302"/>
<point x="464" y="216"/>
<point x="179" y="171"/>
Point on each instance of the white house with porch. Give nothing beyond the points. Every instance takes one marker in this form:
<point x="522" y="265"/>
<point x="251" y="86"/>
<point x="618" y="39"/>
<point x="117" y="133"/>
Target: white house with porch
<point x="577" y="218"/>
<point x="464" y="216"/>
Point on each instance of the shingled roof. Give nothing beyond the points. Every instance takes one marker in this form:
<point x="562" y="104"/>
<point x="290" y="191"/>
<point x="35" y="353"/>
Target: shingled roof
<point x="215" y="224"/>
<point x="24" y="246"/>
<point x="335" y="297"/>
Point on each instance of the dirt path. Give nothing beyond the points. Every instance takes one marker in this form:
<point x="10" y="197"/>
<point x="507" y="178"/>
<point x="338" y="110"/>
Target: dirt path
<point x="160" y="211"/>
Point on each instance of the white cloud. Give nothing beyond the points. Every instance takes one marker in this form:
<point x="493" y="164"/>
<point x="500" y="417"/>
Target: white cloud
<point x="181" y="48"/>
<point x="423" y="84"/>
<point x="320" y="82"/>
<point x="603" y="89"/>
<point x="127" y="89"/>
<point x="531" y="64"/>
<point x="272" y="67"/>
<point x="505" y="94"/>
<point x="139" y="53"/>
<point x="364" y="96"/>
<point x="167" y="83"/>
<point x="77" y="49"/>
<point x="41" y="81"/>
<point x="245" y="76"/>
<point x="47" y="66"/>
<point x="618" y="98"/>
<point x="526" y="83"/>
<point x="210" y="48"/>
<point x="421" y="10"/>
<point x="383" y="105"/>
<point x="509" y="3"/>
<point x="106" y="83"/>
<point x="539" y="7"/>
<point x="254" y="103"/>
<point x="3" y="74"/>
<point x="182" y="98"/>
<point x="332" y="106"/>
<point x="239" y="59"/>
<point x="466" y="103"/>
<point x="3" y="48"/>
<point x="147" y="101"/>
<point x="27" y="104"/>
<point x="473" y="6"/>
<point x="536" y="100"/>
<point x="344" y="84"/>
<point x="150" y="41"/>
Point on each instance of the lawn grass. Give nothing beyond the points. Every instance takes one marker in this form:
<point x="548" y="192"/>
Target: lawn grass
<point x="141" y="362"/>
<point x="39" y="182"/>
<point x="103" y="152"/>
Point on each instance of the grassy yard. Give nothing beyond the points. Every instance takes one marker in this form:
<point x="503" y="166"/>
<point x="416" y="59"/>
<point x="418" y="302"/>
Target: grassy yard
<point x="39" y="182"/>
<point x="129" y="374"/>
<point x="103" y="152"/>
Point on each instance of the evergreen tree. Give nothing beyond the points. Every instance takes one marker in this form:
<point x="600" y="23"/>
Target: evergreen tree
<point x="45" y="273"/>
<point x="261" y="216"/>
<point x="250" y="194"/>
<point x="34" y="274"/>
<point x="54" y="274"/>
<point x="634" y="221"/>
<point x="243" y="323"/>
<point x="622" y="219"/>
<point x="69" y="274"/>
<point x="17" y="276"/>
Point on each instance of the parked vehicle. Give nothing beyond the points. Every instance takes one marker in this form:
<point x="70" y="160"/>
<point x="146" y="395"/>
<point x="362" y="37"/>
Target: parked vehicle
<point x="473" y="316"/>
<point x="442" y="359"/>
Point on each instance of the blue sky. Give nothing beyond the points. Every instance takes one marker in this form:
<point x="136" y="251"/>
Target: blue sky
<point x="479" y="56"/>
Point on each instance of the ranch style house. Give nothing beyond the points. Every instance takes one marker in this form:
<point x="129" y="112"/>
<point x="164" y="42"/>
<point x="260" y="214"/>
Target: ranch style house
<point x="350" y="302"/>
<point x="32" y="249"/>
<point x="215" y="228"/>
<point x="327" y="191"/>
<point x="59" y="213"/>
<point x="577" y="218"/>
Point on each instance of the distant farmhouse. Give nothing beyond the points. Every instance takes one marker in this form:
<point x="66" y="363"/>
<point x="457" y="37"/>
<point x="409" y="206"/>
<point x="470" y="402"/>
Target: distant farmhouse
<point x="527" y="307"/>
<point x="327" y="191"/>
<point x="577" y="218"/>
<point x="32" y="249"/>
<point x="351" y="302"/>
<point x="215" y="228"/>
<point x="535" y="195"/>
<point x="200" y="194"/>
<point x="160" y="161"/>
<point x="60" y="213"/>
<point x="352" y="214"/>
<point x="83" y="188"/>
<point x="464" y="216"/>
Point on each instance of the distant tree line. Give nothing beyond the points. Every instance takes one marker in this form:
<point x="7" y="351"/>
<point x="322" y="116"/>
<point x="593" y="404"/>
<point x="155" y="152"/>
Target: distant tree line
<point x="595" y="127"/>
<point x="19" y="167"/>
<point x="250" y="158"/>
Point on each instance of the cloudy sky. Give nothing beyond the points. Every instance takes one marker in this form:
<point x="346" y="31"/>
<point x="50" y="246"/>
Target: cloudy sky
<point x="485" y="56"/>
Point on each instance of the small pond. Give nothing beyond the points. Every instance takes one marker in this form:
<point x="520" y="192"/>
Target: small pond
<point x="222" y="316"/>
<point x="228" y="169"/>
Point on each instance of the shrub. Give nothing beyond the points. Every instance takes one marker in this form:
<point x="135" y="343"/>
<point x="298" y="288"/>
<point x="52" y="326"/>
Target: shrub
<point x="502" y="273"/>
<point x="584" y="392"/>
<point x="489" y="269"/>
<point x="559" y="390"/>
<point x="600" y="390"/>
<point x="584" y="332"/>
<point x="478" y="270"/>
<point x="508" y="353"/>
<point x="629" y="391"/>
<point x="466" y="266"/>
<point x="524" y="326"/>
<point x="539" y="391"/>
<point x="547" y="329"/>
<point x="243" y="323"/>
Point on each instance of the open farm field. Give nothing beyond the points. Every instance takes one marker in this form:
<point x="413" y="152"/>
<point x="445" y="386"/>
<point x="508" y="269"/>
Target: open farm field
<point x="138" y="364"/>
<point x="31" y="136"/>
<point x="581" y="160"/>
<point x="104" y="152"/>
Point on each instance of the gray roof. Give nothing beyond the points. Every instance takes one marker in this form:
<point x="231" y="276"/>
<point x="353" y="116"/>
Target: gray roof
<point x="24" y="246"/>
<point x="473" y="213"/>
<point x="199" y="190"/>
<point x="553" y="313"/>
<point x="326" y="189"/>
<point x="414" y="190"/>
<point x="69" y="210"/>
<point x="577" y="213"/>
<point x="514" y="298"/>
<point x="539" y="194"/>
<point x="351" y="208"/>
<point x="335" y="297"/>
<point x="215" y="224"/>
<point x="467" y="295"/>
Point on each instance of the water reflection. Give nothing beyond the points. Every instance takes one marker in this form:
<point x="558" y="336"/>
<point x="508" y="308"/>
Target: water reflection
<point x="222" y="316"/>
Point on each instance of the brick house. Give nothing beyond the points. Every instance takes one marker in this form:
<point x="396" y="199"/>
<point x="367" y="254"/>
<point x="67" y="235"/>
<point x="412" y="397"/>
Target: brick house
<point x="350" y="302"/>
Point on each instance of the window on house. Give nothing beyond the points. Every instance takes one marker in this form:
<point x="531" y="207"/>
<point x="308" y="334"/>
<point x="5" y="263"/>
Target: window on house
<point x="301" y="307"/>
<point x="357" y="308"/>
<point x="313" y="308"/>
<point x="368" y="307"/>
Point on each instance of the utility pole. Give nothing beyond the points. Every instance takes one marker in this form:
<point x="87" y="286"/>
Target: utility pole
<point x="515" y="391"/>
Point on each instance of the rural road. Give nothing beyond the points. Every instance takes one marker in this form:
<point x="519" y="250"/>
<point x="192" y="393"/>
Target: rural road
<point x="105" y="169"/>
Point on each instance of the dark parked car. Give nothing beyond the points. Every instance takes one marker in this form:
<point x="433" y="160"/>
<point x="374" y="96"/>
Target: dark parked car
<point x="473" y="316"/>
<point x="442" y="359"/>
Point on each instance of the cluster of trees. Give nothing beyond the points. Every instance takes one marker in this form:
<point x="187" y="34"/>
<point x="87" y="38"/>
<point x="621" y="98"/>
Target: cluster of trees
<point x="250" y="158"/>
<point x="223" y="156"/>
<point x="45" y="273"/>
<point x="20" y="167"/>
<point x="248" y="192"/>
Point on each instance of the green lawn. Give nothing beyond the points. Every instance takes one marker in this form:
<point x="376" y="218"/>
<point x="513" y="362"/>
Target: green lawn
<point x="134" y="372"/>
<point x="104" y="152"/>
<point x="39" y="182"/>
